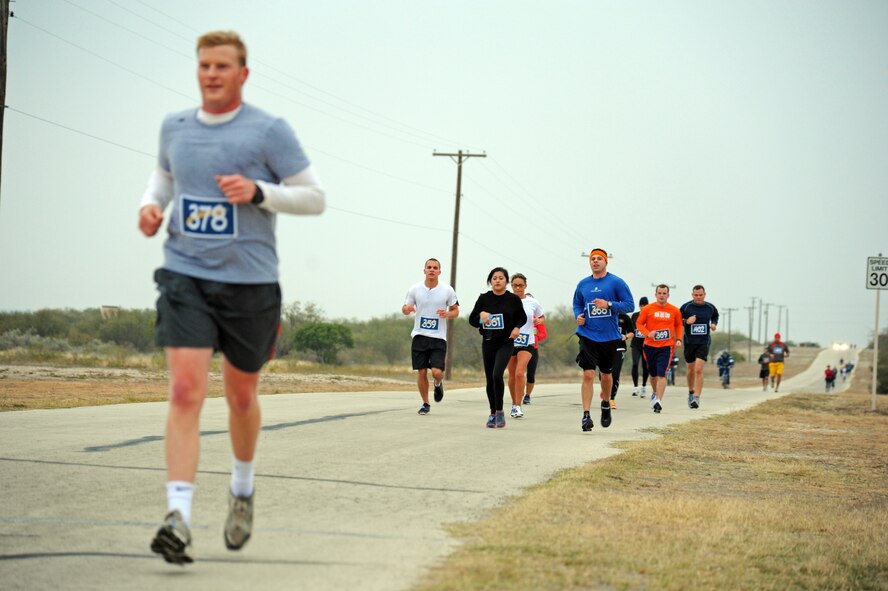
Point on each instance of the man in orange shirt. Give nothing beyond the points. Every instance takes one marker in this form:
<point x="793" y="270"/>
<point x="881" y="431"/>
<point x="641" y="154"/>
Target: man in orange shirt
<point x="661" y="325"/>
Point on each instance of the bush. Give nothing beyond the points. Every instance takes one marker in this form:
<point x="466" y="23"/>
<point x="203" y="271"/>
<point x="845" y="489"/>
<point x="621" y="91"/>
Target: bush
<point x="324" y="340"/>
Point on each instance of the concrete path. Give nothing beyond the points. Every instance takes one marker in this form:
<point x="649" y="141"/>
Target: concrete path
<point x="353" y="490"/>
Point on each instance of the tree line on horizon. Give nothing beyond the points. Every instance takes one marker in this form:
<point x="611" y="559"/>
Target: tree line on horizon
<point x="307" y="334"/>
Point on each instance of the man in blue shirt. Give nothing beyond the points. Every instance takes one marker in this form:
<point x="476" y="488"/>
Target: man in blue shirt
<point x="598" y="301"/>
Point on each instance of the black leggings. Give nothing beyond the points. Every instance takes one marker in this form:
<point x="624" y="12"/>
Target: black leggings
<point x="496" y="356"/>
<point x="636" y="361"/>
<point x="532" y="366"/>
<point x="615" y="374"/>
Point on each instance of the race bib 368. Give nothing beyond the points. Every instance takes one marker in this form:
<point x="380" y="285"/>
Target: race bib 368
<point x="593" y="312"/>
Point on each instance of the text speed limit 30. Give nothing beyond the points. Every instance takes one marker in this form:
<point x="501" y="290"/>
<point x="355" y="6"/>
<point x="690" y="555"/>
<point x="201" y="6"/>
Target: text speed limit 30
<point x="877" y="273"/>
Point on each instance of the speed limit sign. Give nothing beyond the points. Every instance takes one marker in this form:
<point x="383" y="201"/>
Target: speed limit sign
<point x="877" y="273"/>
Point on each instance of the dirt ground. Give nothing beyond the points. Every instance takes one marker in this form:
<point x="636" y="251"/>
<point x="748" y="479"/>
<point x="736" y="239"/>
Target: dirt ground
<point x="24" y="387"/>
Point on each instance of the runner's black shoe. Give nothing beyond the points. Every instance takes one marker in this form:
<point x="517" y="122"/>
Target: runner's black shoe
<point x="695" y="403"/>
<point x="605" y="414"/>
<point x="526" y="399"/>
<point x="657" y="407"/>
<point x="173" y="540"/>
<point x="439" y="392"/>
<point x="424" y="409"/>
<point x="587" y="424"/>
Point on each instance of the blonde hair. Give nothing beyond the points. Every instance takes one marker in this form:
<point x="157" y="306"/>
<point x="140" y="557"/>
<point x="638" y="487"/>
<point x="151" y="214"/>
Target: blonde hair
<point x="217" y="38"/>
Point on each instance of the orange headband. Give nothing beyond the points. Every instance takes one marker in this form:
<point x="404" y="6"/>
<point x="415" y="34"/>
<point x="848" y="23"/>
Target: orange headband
<point x="599" y="251"/>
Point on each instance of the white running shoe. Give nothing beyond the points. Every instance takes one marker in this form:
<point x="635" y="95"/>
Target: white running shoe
<point x="643" y="390"/>
<point x="635" y="391"/>
<point x="518" y="412"/>
<point x="514" y="412"/>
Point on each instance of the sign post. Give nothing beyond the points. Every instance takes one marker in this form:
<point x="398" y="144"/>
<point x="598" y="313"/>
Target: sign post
<point x="876" y="278"/>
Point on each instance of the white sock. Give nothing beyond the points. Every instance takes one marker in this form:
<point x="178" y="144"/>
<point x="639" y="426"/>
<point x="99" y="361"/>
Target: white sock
<point x="242" y="474"/>
<point x="179" y="495"/>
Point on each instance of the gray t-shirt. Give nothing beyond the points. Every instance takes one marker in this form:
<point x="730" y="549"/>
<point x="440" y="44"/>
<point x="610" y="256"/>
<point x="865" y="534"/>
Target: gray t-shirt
<point x="210" y="238"/>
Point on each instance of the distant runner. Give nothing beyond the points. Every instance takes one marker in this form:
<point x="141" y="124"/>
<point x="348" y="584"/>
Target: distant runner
<point x="638" y="355"/>
<point x="779" y="352"/>
<point x="764" y="361"/>
<point x="522" y="354"/>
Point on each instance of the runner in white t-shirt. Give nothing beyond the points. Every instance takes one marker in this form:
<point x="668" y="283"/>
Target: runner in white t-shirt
<point x="524" y="344"/>
<point x="433" y="302"/>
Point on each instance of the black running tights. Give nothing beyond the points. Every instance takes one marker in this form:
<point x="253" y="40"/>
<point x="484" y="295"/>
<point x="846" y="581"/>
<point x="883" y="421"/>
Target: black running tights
<point x="638" y="359"/>
<point x="496" y="356"/>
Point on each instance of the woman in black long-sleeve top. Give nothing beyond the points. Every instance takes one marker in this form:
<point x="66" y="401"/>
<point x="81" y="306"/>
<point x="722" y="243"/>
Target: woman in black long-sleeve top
<point x="498" y="315"/>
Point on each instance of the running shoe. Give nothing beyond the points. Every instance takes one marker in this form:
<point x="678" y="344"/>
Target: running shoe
<point x="500" y="419"/>
<point x="424" y="409"/>
<point x="526" y="399"/>
<point x="635" y="391"/>
<point x="491" y="421"/>
<point x="613" y="405"/>
<point x="518" y="412"/>
<point x="695" y="403"/>
<point x="691" y="400"/>
<point x="657" y="406"/>
<point x="514" y="412"/>
<point x="653" y="400"/>
<point x="173" y="540"/>
<point x="643" y="390"/>
<point x="239" y="525"/>
<point x="587" y="423"/>
<point x="439" y="392"/>
<point x="605" y="414"/>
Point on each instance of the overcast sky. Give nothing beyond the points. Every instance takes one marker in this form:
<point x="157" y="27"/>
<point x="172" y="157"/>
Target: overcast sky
<point x="741" y="145"/>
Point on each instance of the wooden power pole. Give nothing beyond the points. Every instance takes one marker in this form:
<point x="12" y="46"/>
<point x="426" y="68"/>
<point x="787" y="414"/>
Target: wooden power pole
<point x="4" y="23"/>
<point x="459" y="158"/>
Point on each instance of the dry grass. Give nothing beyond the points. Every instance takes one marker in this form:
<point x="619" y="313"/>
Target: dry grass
<point x="792" y="494"/>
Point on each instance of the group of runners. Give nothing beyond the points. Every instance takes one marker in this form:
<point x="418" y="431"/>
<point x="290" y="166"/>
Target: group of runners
<point x="509" y="324"/>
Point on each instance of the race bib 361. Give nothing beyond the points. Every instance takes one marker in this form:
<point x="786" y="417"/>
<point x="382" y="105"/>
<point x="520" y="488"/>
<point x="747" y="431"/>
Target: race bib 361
<point x="495" y="322"/>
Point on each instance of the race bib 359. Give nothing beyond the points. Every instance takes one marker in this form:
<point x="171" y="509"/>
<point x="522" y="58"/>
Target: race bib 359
<point x="428" y="323"/>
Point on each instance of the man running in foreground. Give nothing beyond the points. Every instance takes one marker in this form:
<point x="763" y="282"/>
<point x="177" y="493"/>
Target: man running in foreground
<point x="597" y="301"/>
<point x="227" y="168"/>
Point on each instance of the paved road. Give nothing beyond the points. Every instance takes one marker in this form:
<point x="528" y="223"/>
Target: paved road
<point x="353" y="490"/>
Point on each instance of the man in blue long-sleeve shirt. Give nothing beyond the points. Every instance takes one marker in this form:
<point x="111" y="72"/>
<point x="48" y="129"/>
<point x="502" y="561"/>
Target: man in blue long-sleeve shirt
<point x="598" y="301"/>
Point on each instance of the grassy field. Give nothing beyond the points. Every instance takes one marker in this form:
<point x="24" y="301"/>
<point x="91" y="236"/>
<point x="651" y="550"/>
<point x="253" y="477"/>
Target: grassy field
<point x="792" y="494"/>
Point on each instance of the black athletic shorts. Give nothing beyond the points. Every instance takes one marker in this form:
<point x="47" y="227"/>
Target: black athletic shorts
<point x="428" y="352"/>
<point x="693" y="352"/>
<point x="517" y="350"/>
<point x="595" y="354"/>
<point x="240" y="320"/>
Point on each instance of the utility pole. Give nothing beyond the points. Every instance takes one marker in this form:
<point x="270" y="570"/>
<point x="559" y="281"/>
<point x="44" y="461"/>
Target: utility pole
<point x="751" y="315"/>
<point x="760" y="321"/>
<point x="780" y="317"/>
<point x="767" y="310"/>
<point x="729" y="310"/>
<point x="460" y="157"/>
<point x="4" y="23"/>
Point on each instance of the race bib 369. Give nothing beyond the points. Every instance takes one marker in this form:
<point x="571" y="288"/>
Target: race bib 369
<point x="661" y="335"/>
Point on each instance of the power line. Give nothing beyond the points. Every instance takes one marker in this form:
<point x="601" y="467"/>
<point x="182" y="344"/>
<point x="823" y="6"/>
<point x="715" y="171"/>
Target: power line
<point x="77" y="131"/>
